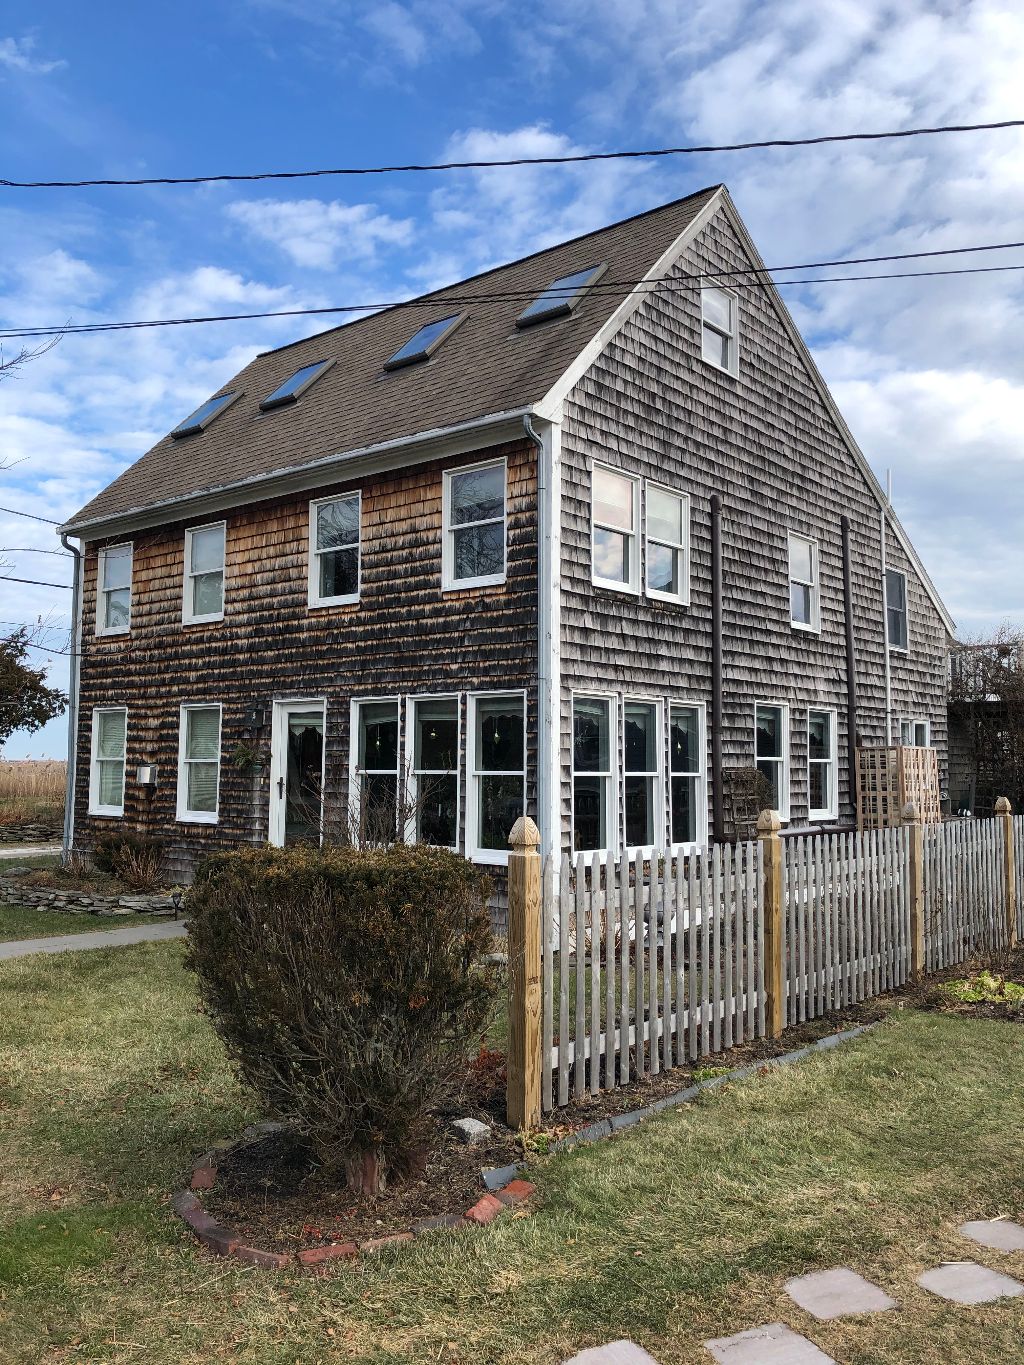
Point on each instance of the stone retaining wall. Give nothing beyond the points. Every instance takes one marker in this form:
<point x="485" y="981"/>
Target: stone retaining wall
<point x="14" y="892"/>
<point x="30" y="834"/>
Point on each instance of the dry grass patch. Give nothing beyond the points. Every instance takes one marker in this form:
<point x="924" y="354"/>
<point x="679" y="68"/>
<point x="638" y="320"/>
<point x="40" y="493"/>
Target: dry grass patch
<point x="32" y="790"/>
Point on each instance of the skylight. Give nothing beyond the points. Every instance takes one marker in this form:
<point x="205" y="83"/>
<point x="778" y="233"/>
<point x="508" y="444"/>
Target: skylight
<point x="424" y="343"/>
<point x="298" y="383"/>
<point x="561" y="297"/>
<point x="202" y="417"/>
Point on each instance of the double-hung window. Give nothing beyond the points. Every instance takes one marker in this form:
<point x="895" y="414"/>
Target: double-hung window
<point x="896" y="608"/>
<point x="106" y="778"/>
<point x="498" y="772"/>
<point x="592" y="773"/>
<point x="917" y="732"/>
<point x="615" y="513"/>
<point x="719" y="332"/>
<point x="822" y="786"/>
<point x="804" y="590"/>
<point x="667" y="544"/>
<point x="376" y="787"/>
<point x="435" y="770"/>
<point x="687" y="798"/>
<point x="771" y="753"/>
<point x="114" y="590"/>
<point x="641" y="767"/>
<point x="199" y="764"/>
<point x="473" y="549"/>
<point x="334" y="551"/>
<point x="204" y="573"/>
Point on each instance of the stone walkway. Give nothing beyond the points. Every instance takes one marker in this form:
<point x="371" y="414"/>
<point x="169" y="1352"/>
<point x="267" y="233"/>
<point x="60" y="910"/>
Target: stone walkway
<point x="102" y="938"/>
<point x="16" y="851"/>
<point x="839" y="1293"/>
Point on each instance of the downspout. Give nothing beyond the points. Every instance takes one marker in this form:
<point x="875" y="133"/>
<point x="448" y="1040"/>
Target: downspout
<point x="885" y="620"/>
<point x="717" y="794"/>
<point x="73" y="683"/>
<point x="548" y="684"/>
<point x="851" y="663"/>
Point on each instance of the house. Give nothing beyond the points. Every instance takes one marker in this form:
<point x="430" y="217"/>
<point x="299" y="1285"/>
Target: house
<point x="584" y="535"/>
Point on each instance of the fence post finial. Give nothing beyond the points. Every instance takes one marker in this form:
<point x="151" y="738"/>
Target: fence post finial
<point x="915" y="834"/>
<point x="522" y="1093"/>
<point x="1004" y="813"/>
<point x="525" y="834"/>
<point x="768" y="826"/>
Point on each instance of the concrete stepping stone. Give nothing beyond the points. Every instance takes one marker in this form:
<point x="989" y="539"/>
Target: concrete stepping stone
<point x="968" y="1282"/>
<point x="615" y="1353"/>
<point x="837" y="1293"/>
<point x="771" y="1345"/>
<point x="998" y="1233"/>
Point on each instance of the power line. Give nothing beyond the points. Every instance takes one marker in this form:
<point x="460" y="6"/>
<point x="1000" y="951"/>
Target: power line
<point x="36" y="582"/>
<point x="566" y="160"/>
<point x="32" y="550"/>
<point x="15" y="512"/>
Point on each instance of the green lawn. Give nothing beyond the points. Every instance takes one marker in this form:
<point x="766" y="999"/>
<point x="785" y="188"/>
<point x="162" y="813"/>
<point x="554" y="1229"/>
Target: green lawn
<point x="686" y="1227"/>
<point x="21" y="921"/>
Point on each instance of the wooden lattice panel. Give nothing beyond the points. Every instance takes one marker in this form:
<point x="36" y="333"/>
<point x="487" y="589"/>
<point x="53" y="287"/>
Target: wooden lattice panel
<point x="888" y="776"/>
<point x="919" y="782"/>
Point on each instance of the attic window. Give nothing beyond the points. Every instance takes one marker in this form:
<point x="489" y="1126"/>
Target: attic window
<point x="202" y="417"/>
<point x="561" y="297"/>
<point x="423" y="344"/>
<point x="300" y="381"/>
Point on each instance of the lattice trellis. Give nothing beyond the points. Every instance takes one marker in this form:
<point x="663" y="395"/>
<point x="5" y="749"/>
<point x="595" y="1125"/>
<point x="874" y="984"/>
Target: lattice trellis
<point x="888" y="776"/>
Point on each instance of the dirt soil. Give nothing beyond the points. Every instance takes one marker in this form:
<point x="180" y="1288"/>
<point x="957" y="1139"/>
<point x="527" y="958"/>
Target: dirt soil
<point x="1008" y="964"/>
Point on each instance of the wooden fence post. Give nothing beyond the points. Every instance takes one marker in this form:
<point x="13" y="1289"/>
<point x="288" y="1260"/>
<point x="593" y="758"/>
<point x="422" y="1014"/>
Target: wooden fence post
<point x="1005" y="813"/>
<point x="912" y="819"/>
<point x="768" y="826"/>
<point x="522" y="1093"/>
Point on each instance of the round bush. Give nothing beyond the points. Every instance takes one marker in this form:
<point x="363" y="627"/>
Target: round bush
<point x="349" y="986"/>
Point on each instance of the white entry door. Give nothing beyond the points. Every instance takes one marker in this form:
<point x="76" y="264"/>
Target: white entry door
<point x="297" y="772"/>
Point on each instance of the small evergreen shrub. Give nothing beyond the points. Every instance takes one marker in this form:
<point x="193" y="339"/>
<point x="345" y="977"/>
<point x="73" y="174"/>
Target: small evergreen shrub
<point x="349" y="987"/>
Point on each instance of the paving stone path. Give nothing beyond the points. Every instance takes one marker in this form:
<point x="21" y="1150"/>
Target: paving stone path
<point x="109" y="938"/>
<point x="841" y="1292"/>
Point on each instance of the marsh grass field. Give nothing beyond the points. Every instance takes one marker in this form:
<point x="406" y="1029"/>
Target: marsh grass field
<point x="32" y="790"/>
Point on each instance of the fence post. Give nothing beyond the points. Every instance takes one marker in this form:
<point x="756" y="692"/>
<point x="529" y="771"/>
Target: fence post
<point x="912" y="819"/>
<point x="522" y="1093"/>
<point x="768" y="826"/>
<point x="1005" y="813"/>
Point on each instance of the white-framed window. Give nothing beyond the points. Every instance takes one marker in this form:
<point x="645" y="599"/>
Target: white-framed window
<point x="687" y="766"/>
<point x="593" y="749"/>
<point x="204" y="573"/>
<point x="822" y="766"/>
<point x="497" y="773"/>
<point x="374" y="786"/>
<point x="433" y="739"/>
<point x="114" y="590"/>
<point x="771" y="752"/>
<point x="719" y="331"/>
<point x="804" y="588"/>
<point x="474" y="526"/>
<point x="896" y="608"/>
<point x="614" y="521"/>
<point x="334" y="550"/>
<point x="106" y="774"/>
<point x="918" y="732"/>
<point x="199" y="763"/>
<point x="642" y="747"/>
<point x="667" y="544"/>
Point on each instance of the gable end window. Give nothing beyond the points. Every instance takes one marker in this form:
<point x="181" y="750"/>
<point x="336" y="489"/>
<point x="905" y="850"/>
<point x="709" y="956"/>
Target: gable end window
<point x="474" y="534"/>
<point x="114" y="590"/>
<point x="204" y="573"/>
<point x="896" y="608"/>
<point x="804" y="590"/>
<point x="771" y="753"/>
<point x="667" y="544"/>
<point x="334" y="551"/>
<point x="822" y="786"/>
<point x="614" y="516"/>
<point x="106" y="776"/>
<point x="199" y="764"/>
<point x="719" y="333"/>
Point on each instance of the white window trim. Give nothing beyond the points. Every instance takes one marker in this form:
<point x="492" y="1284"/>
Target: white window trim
<point x="113" y="812"/>
<point x="493" y="856"/>
<point x="896" y="649"/>
<point x="409" y="752"/>
<point x="702" y="775"/>
<point x="831" y="811"/>
<point x="733" y="368"/>
<point x="343" y="599"/>
<point x="682" y="598"/>
<point x="784" y="780"/>
<point x="354" y="770"/>
<point x="449" y="583"/>
<point x="633" y="586"/>
<point x="183" y="815"/>
<point x="101" y="593"/>
<point x="914" y="722"/>
<point x="661" y="755"/>
<point x="611" y="779"/>
<point x="812" y="627"/>
<point x="186" y="597"/>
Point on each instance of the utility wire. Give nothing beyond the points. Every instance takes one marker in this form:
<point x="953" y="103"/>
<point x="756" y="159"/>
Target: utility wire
<point x="567" y="160"/>
<point x="36" y="582"/>
<point x="14" y="511"/>
<point x="32" y="550"/>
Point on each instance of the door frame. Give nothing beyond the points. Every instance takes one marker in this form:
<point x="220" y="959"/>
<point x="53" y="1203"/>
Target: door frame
<point x="279" y="761"/>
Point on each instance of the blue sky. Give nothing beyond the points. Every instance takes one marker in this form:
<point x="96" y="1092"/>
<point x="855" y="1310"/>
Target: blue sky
<point x="928" y="373"/>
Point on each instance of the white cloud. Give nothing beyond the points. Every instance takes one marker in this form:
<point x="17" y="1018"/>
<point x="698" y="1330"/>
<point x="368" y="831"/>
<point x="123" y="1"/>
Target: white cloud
<point x="315" y="233"/>
<point x="16" y="55"/>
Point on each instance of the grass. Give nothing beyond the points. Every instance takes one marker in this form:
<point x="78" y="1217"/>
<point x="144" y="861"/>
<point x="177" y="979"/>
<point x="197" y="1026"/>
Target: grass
<point x="871" y="1155"/>
<point x="32" y="791"/>
<point x="21" y="921"/>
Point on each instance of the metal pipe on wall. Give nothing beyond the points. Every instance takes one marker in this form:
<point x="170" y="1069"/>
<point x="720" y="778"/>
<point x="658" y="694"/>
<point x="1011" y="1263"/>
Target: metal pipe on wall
<point x="717" y="795"/>
<point x="851" y="660"/>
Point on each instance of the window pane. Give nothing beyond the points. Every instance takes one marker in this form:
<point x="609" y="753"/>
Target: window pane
<point x="502" y="800"/>
<point x="717" y="306"/>
<point x="906" y="732"/>
<point x="898" y="627"/>
<point x="684" y="810"/>
<point x="477" y="494"/>
<point x="207" y="549"/>
<point x="895" y="590"/>
<point x="800" y="604"/>
<point x="663" y="569"/>
<point x="111" y="783"/>
<point x="613" y="499"/>
<point x="110" y="743"/>
<point x="202" y="733"/>
<point x="208" y="594"/>
<point x="479" y="551"/>
<point x="639" y="794"/>
<point x="664" y="516"/>
<point x="499" y="735"/>
<point x="378" y="811"/>
<point x="771" y="772"/>
<point x="819" y="744"/>
<point x="590" y="737"/>
<point x="800" y="559"/>
<point x="437" y="819"/>
<point x="590" y="813"/>
<point x="684" y="740"/>
<point x="769" y="732"/>
<point x="118" y="609"/>
<point x="715" y="347"/>
<point x="378" y="735"/>
<point x="202" y="786"/>
<point x="437" y="734"/>
<point x="117" y="567"/>
<point x="819" y="786"/>
<point x="641" y="740"/>
<point x="339" y="573"/>
<point x="612" y="555"/>
<point x="921" y="734"/>
<point x="337" y="523"/>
